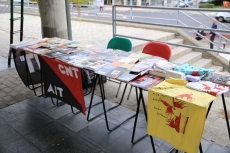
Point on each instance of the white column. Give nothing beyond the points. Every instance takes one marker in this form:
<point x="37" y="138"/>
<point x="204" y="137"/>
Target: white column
<point x="138" y="2"/>
<point x="125" y="2"/>
<point x="113" y="2"/>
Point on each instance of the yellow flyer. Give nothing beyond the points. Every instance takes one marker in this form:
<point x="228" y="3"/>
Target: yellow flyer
<point x="176" y="114"/>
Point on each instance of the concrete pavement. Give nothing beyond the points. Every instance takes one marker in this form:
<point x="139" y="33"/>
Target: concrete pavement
<point x="13" y="91"/>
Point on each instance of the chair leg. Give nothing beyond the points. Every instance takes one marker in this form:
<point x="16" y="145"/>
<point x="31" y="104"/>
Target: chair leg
<point x="129" y="92"/>
<point x="118" y="89"/>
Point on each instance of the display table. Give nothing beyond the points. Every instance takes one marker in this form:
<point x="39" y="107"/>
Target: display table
<point x="175" y="113"/>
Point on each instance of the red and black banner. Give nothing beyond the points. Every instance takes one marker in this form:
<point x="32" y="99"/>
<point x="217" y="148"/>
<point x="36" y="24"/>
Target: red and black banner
<point x="63" y="81"/>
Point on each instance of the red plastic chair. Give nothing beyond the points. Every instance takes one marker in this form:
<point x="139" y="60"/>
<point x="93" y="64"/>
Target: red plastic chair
<point x="158" y="49"/>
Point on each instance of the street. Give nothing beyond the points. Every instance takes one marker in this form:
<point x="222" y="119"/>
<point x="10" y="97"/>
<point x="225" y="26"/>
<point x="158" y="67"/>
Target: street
<point x="156" y="16"/>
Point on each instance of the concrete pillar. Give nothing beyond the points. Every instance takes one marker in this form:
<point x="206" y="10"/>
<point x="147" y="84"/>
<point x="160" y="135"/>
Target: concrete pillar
<point x="113" y="2"/>
<point x="53" y="18"/>
<point x="138" y="2"/>
<point x="125" y="2"/>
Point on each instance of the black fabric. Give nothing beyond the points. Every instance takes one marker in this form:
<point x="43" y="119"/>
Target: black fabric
<point x="27" y="77"/>
<point x="198" y="38"/>
<point x="212" y="39"/>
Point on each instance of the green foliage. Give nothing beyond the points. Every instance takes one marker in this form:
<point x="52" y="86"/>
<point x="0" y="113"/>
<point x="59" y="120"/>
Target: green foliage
<point x="216" y="2"/>
<point x="74" y="1"/>
<point x="206" y="5"/>
<point x="81" y="1"/>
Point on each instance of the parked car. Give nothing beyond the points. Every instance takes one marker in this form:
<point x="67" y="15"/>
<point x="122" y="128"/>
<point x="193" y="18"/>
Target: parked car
<point x="223" y="16"/>
<point x="183" y="3"/>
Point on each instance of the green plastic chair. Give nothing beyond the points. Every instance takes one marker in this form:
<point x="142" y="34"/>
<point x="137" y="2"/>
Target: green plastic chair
<point x="120" y="43"/>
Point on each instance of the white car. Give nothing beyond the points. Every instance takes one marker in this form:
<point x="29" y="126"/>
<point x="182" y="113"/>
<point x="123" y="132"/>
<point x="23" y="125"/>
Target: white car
<point x="223" y="16"/>
<point x="183" y="3"/>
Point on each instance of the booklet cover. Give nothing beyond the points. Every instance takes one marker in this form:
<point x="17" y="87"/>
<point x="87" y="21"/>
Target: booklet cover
<point x="129" y="60"/>
<point x="54" y="54"/>
<point x="128" y="76"/>
<point x="105" y="69"/>
<point x="116" y="72"/>
<point x="146" y="81"/>
<point x="145" y="64"/>
<point x="84" y="63"/>
<point x="96" y="66"/>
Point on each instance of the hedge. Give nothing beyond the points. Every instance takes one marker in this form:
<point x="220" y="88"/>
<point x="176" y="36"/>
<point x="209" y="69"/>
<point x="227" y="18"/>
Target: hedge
<point x="206" y="5"/>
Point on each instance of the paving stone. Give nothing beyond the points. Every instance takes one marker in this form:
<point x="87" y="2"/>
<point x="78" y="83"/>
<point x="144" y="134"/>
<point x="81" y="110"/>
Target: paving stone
<point x="2" y="86"/>
<point x="39" y="102"/>
<point x="8" y="135"/>
<point x="7" y="89"/>
<point x="216" y="148"/>
<point x="57" y="112"/>
<point x="74" y="144"/>
<point x="3" y="104"/>
<point x="49" y="136"/>
<point x="98" y="134"/>
<point x="27" y="123"/>
<point x="2" y="121"/>
<point x="14" y="111"/>
<point x="7" y="99"/>
<point x="2" y="94"/>
<point x="20" y="146"/>
<point x="76" y="122"/>
<point x="123" y="145"/>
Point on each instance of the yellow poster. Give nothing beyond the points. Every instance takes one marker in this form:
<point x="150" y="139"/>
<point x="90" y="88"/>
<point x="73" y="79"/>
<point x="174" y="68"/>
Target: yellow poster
<point x="176" y="114"/>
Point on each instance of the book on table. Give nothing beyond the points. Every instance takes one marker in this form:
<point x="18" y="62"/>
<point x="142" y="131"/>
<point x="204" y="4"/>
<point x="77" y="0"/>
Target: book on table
<point x="96" y="66"/>
<point x="54" y="54"/>
<point x="116" y="72"/>
<point x="129" y="60"/>
<point x="165" y="65"/>
<point x="84" y="63"/>
<point x="128" y="76"/>
<point x="127" y="65"/>
<point x="105" y="69"/>
<point x="146" y="81"/>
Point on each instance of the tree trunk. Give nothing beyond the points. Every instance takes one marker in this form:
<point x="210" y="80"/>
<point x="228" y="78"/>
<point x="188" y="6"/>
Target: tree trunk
<point x="53" y="18"/>
<point x="78" y="10"/>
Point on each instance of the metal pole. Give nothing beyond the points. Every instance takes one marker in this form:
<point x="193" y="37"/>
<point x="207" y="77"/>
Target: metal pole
<point x="178" y="11"/>
<point x="68" y="20"/>
<point x="114" y="19"/>
<point x="131" y="12"/>
<point x="96" y="9"/>
<point x="22" y="20"/>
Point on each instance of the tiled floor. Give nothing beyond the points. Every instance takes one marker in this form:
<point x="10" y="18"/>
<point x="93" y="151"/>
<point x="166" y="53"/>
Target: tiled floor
<point x="36" y="125"/>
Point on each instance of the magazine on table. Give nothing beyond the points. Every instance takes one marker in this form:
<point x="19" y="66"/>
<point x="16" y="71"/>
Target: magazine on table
<point x="124" y="54"/>
<point x="84" y="63"/>
<point x="165" y="65"/>
<point x="127" y="65"/>
<point x="96" y="66"/>
<point x="110" y="58"/>
<point x="130" y="60"/>
<point x="105" y="69"/>
<point x="55" y="54"/>
<point x="143" y="65"/>
<point x="128" y="76"/>
<point x="116" y="72"/>
<point x="117" y="63"/>
<point x="103" y="51"/>
<point x="146" y="81"/>
<point x="66" y="50"/>
<point x="42" y="51"/>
